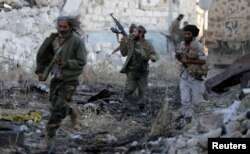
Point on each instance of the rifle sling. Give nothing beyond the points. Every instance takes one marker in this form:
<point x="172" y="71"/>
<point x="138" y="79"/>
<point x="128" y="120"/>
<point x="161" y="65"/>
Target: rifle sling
<point x="56" y="55"/>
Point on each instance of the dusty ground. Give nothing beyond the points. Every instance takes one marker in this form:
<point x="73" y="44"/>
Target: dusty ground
<point x="105" y="126"/>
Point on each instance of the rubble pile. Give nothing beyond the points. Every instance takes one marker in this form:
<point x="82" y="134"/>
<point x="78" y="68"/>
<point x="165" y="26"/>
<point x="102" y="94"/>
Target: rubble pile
<point x="231" y="122"/>
<point x="106" y="127"/>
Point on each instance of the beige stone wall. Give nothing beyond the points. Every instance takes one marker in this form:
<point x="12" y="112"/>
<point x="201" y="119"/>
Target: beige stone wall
<point x="153" y="14"/>
<point x="23" y="30"/>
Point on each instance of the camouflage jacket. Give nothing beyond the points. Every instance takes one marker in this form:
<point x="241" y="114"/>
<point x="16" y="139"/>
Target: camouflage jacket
<point x="146" y="49"/>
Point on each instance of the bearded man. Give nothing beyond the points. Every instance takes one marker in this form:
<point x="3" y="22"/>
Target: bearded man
<point x="71" y="56"/>
<point x="193" y="60"/>
<point x="138" y="51"/>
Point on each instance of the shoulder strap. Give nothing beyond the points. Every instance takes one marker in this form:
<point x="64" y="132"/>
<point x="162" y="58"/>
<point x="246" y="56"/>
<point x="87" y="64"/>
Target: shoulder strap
<point x="56" y="55"/>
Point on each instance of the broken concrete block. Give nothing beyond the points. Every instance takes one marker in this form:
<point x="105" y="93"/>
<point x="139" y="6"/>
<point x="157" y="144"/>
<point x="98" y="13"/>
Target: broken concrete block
<point x="232" y="126"/>
<point x="41" y="3"/>
<point x="192" y="142"/>
<point x="203" y="139"/>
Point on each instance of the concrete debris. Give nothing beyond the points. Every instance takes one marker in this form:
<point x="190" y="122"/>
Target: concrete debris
<point x="230" y="112"/>
<point x="230" y="122"/>
<point x="103" y="128"/>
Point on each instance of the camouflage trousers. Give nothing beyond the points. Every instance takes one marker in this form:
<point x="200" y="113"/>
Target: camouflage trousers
<point x="60" y="96"/>
<point x="135" y="80"/>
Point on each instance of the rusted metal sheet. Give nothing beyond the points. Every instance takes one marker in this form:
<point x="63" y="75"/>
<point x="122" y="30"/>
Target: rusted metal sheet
<point x="230" y="77"/>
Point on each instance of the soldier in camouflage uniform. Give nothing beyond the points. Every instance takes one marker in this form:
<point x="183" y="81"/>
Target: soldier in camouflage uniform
<point x="138" y="51"/>
<point x="194" y="68"/>
<point x="65" y="71"/>
<point x="176" y="32"/>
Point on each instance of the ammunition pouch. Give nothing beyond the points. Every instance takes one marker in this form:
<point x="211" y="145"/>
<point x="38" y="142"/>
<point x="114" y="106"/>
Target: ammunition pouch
<point x="197" y="71"/>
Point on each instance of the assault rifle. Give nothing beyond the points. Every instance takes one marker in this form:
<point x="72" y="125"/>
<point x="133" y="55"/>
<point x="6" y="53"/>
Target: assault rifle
<point x="120" y="29"/>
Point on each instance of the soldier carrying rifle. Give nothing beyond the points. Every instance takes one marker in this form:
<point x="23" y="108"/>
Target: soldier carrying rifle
<point x="138" y="51"/>
<point x="64" y="55"/>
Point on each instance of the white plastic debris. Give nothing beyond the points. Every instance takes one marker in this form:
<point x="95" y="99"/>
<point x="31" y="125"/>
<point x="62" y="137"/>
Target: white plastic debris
<point x="23" y="128"/>
<point x="134" y="143"/>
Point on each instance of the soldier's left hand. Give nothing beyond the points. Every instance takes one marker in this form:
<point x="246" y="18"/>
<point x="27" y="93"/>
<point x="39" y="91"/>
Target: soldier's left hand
<point x="62" y="64"/>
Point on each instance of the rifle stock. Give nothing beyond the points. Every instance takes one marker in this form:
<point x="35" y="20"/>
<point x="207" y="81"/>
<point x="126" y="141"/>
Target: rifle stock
<point x="117" y="49"/>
